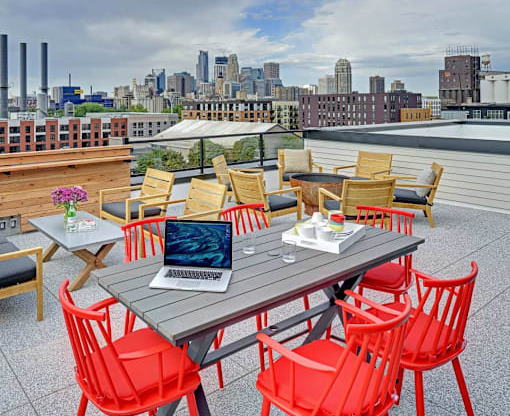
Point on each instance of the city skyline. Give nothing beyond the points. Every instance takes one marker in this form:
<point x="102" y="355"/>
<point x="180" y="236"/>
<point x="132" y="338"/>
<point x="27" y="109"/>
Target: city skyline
<point x="105" y="46"/>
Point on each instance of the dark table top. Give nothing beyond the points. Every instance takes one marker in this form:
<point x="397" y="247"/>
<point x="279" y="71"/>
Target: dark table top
<point x="259" y="282"/>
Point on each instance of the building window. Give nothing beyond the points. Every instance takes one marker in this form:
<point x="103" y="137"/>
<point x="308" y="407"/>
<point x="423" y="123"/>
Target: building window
<point x="495" y="114"/>
<point x="477" y="114"/>
<point x="27" y="129"/>
<point x="75" y="127"/>
<point x="27" y="138"/>
<point x="52" y="128"/>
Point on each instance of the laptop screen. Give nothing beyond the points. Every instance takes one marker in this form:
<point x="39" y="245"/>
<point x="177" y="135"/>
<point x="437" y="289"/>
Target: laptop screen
<point x="198" y="243"/>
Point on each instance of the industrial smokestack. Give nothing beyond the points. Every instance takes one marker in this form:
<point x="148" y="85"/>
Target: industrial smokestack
<point x="4" y="86"/>
<point x="42" y="98"/>
<point x="44" y="68"/>
<point x="23" y="76"/>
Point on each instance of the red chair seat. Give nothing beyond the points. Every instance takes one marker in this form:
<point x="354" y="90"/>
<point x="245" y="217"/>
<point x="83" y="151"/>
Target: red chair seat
<point x="310" y="385"/>
<point x="426" y="352"/>
<point x="144" y="381"/>
<point x="390" y="275"/>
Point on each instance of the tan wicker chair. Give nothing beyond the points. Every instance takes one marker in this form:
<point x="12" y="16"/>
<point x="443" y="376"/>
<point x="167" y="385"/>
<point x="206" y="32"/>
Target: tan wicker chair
<point x="283" y="173"/>
<point x="156" y="187"/>
<point x="221" y="169"/>
<point x="407" y="198"/>
<point x="370" y="165"/>
<point x="249" y="189"/>
<point x="375" y="193"/>
<point x="19" y="274"/>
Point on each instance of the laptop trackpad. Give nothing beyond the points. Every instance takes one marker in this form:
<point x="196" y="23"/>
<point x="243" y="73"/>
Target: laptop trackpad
<point x="188" y="283"/>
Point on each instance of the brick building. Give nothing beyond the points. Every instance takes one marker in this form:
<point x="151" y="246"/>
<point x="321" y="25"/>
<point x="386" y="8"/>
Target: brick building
<point x="227" y="110"/>
<point x="325" y="110"/>
<point x="57" y="133"/>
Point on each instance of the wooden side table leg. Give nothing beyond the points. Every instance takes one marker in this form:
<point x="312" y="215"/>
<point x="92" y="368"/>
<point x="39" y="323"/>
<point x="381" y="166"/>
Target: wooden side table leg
<point x="50" y="251"/>
<point x="93" y="262"/>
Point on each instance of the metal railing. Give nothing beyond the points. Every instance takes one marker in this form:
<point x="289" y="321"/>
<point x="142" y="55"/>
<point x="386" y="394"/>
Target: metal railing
<point x="195" y="153"/>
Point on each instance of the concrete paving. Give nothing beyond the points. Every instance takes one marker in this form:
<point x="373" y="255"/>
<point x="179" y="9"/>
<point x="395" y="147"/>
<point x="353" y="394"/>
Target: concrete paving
<point x="36" y="364"/>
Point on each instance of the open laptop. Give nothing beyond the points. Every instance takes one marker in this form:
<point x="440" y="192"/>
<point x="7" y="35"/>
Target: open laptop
<point x="198" y="256"/>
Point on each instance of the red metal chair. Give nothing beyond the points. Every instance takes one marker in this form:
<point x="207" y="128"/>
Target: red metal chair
<point x="324" y="378"/>
<point x="435" y="334"/>
<point x="391" y="277"/>
<point x="138" y="372"/>
<point x="136" y="247"/>
<point x="245" y="219"/>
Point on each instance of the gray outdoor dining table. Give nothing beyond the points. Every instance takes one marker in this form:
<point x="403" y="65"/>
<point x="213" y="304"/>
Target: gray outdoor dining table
<point x="260" y="282"/>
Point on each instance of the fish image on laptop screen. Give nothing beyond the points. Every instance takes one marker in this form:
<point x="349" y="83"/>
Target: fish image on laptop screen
<point x="198" y="244"/>
<point x="198" y="256"/>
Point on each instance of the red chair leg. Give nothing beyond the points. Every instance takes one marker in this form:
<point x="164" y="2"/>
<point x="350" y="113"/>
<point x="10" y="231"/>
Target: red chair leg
<point x="266" y="407"/>
<point x="328" y="332"/>
<point x="357" y="303"/>
<point x="462" y="386"/>
<point x="306" y="302"/>
<point x="420" y="399"/>
<point x="400" y="382"/>
<point x="83" y="405"/>
<point x="261" y="347"/>
<point x="192" y="404"/>
<point x="219" y="369"/>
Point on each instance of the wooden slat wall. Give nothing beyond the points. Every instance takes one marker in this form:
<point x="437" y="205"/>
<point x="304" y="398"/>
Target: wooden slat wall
<point x="469" y="178"/>
<point x="26" y="192"/>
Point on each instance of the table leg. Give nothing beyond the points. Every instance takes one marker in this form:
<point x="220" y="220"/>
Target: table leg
<point x="197" y="351"/>
<point x="94" y="261"/>
<point x="334" y="293"/>
<point x="50" y="251"/>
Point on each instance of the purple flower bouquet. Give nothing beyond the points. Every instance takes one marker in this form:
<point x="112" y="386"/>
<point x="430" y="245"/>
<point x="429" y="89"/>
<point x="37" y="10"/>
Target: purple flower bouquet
<point x="63" y="196"/>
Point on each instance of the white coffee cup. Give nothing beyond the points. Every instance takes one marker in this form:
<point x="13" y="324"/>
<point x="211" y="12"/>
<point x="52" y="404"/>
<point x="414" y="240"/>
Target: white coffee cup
<point x="306" y="230"/>
<point x="317" y="218"/>
<point x="324" y="233"/>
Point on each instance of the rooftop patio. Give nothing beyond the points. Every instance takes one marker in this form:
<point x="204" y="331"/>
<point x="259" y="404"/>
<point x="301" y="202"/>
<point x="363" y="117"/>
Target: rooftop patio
<point x="36" y="364"/>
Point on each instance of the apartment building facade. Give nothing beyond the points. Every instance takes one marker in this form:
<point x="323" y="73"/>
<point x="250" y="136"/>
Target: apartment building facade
<point x="327" y="110"/>
<point x="259" y="111"/>
<point x="59" y="133"/>
<point x="286" y="114"/>
<point x="29" y="135"/>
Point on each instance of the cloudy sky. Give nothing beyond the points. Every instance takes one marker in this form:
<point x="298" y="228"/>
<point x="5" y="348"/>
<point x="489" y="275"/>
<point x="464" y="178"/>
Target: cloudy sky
<point x="105" y="43"/>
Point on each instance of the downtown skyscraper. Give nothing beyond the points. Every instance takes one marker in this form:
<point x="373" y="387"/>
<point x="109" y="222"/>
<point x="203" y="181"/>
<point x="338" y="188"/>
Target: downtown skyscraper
<point x="202" y="71"/>
<point x="343" y="76"/>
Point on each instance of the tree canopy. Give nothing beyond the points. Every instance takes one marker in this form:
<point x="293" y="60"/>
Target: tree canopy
<point x="163" y="159"/>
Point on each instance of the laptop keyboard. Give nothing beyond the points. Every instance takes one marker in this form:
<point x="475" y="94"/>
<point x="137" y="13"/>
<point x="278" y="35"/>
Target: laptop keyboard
<point x="194" y="274"/>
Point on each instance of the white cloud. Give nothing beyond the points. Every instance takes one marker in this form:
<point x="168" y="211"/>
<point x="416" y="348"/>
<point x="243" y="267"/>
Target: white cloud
<point x="106" y="42"/>
<point x="399" y="38"/>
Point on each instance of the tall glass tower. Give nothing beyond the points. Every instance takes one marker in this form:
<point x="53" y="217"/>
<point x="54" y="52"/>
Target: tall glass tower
<point x="343" y="76"/>
<point x="202" y="67"/>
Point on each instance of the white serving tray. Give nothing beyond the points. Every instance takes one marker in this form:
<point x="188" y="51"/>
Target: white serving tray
<point x="341" y="241"/>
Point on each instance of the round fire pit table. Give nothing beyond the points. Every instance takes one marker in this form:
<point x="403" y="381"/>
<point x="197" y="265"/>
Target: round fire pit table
<point x="310" y="184"/>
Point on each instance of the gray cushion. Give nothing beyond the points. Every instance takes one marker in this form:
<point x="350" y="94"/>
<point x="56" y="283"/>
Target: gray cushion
<point x="277" y="202"/>
<point x="408" y="196"/>
<point x="118" y="209"/>
<point x="359" y="178"/>
<point x="426" y="177"/>
<point x="15" y="271"/>
<point x="331" y="205"/>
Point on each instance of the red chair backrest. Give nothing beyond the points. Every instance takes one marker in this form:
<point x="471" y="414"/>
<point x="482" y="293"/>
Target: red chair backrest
<point x="135" y="244"/>
<point x="444" y="307"/>
<point x="396" y="220"/>
<point x="82" y="327"/>
<point x="245" y="218"/>
<point x="392" y="220"/>
<point x="383" y="338"/>
<point x="90" y="334"/>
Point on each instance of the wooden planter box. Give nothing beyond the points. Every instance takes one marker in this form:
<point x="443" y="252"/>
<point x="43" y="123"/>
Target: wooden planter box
<point x="26" y="179"/>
